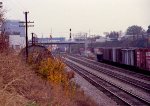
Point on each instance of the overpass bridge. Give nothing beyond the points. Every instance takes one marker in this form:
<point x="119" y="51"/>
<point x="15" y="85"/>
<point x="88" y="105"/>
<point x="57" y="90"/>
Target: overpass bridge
<point x="68" y="43"/>
<point x="60" y="42"/>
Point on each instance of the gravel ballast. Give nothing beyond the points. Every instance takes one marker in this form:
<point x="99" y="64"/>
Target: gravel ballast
<point x="98" y="96"/>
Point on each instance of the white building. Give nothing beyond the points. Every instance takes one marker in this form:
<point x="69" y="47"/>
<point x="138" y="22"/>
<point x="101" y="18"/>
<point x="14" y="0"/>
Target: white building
<point x="80" y="36"/>
<point x="16" y="34"/>
<point x="17" y="42"/>
<point x="101" y="39"/>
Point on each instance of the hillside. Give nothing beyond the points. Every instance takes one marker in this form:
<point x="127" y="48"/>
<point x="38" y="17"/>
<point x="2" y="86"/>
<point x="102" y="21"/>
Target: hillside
<point x="20" y="85"/>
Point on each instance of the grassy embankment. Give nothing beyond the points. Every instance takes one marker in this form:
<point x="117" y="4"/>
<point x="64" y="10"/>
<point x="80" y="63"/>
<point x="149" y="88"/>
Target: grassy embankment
<point x="43" y="84"/>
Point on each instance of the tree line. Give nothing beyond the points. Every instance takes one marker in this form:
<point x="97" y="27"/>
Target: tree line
<point x="133" y="30"/>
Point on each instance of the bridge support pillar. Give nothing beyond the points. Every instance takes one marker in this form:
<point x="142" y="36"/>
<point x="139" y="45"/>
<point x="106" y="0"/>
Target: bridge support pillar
<point x="69" y="48"/>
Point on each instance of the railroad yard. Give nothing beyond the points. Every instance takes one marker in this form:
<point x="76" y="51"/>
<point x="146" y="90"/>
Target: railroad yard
<point x="74" y="53"/>
<point x="122" y="86"/>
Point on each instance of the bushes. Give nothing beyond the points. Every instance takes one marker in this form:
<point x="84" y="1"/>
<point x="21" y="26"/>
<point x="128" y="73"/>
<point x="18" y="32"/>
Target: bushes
<point x="50" y="68"/>
<point x="21" y="86"/>
<point x="62" y="91"/>
<point x="54" y="71"/>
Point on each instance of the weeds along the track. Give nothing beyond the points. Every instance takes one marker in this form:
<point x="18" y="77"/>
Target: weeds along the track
<point x="20" y="85"/>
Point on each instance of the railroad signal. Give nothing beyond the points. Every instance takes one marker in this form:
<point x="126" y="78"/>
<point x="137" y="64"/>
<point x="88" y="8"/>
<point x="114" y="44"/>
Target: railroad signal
<point x="70" y="34"/>
<point x="50" y="36"/>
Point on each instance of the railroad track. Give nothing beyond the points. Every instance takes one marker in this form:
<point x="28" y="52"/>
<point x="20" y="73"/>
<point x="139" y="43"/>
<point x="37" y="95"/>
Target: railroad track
<point x="137" y="83"/>
<point x="119" y="95"/>
<point x="138" y="75"/>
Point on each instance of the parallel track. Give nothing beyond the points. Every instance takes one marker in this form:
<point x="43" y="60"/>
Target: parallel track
<point x="116" y="93"/>
<point x="138" y="75"/>
<point x="142" y="85"/>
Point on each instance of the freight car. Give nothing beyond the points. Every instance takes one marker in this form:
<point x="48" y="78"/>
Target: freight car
<point x="143" y="58"/>
<point x="135" y="57"/>
<point x="129" y="57"/>
<point x="99" y="54"/>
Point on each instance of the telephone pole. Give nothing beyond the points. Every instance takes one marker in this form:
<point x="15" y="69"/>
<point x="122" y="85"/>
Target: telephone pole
<point x="26" y="21"/>
<point x="33" y="39"/>
<point x="26" y="26"/>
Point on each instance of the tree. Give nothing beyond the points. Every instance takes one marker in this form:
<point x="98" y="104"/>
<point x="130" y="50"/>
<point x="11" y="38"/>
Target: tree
<point x="1" y="16"/>
<point x="148" y="31"/>
<point x="3" y="38"/>
<point x="135" y="30"/>
<point x="113" y="34"/>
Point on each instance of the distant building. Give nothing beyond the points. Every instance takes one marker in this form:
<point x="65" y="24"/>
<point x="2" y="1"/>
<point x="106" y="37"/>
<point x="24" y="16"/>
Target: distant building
<point x="47" y="40"/>
<point x="15" y="33"/>
<point x="80" y="36"/>
<point x="12" y="27"/>
<point x="111" y="39"/>
<point x="17" y="42"/>
<point x="101" y="39"/>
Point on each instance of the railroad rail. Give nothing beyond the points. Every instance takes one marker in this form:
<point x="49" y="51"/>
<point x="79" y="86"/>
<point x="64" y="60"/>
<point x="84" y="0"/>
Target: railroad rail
<point x="138" y="75"/>
<point x="112" y="73"/>
<point x="119" y="95"/>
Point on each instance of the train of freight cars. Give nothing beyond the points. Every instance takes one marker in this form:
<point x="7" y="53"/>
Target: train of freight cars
<point x="138" y="57"/>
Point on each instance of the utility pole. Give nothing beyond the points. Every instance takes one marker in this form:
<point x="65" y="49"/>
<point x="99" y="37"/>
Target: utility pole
<point x="51" y="31"/>
<point x="89" y="32"/>
<point x="51" y="40"/>
<point x="33" y="41"/>
<point x="86" y="42"/>
<point x="26" y="26"/>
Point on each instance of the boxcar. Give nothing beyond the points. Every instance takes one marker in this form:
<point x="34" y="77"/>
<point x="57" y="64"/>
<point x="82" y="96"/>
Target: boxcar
<point x="118" y="55"/>
<point x="114" y="55"/>
<point x="107" y="54"/>
<point x="128" y="57"/>
<point x="148" y="59"/>
<point x="143" y="58"/>
<point x="99" y="54"/>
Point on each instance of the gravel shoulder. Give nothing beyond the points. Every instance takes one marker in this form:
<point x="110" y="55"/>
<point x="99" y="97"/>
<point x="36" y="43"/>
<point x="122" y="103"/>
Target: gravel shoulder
<point x="92" y="91"/>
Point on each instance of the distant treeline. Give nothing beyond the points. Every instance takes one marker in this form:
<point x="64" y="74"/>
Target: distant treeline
<point x="141" y="42"/>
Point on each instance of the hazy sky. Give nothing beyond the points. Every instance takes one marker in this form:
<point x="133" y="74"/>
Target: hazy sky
<point x="81" y="15"/>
